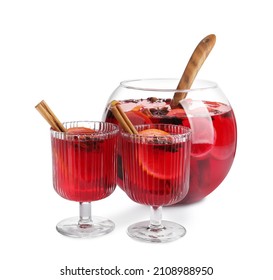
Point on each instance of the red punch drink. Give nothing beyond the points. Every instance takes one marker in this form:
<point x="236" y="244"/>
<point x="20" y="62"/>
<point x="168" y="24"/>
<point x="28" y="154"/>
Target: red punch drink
<point x="213" y="128"/>
<point x="156" y="164"/>
<point x="84" y="163"/>
<point x="84" y="169"/>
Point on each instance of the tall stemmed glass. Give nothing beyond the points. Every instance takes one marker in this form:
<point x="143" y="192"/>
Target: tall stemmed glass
<point x="156" y="166"/>
<point x="84" y="170"/>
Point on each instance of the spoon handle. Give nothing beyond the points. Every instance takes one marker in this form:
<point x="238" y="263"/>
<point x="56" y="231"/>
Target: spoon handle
<point x="195" y="62"/>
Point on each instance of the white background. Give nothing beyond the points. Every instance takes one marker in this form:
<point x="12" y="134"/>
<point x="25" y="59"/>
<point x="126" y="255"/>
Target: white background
<point x="73" y="54"/>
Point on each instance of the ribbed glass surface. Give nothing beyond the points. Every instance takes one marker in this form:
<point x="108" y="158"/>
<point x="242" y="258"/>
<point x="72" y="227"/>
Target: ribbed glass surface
<point x="156" y="168"/>
<point x="84" y="164"/>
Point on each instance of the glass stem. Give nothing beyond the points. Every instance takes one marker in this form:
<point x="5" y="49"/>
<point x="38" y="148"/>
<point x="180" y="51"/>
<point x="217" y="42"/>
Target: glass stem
<point x="155" y="218"/>
<point x="85" y="215"/>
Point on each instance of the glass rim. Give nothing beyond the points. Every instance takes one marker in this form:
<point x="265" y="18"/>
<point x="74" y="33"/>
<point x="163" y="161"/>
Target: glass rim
<point x="114" y="129"/>
<point x="126" y="84"/>
<point x="185" y="133"/>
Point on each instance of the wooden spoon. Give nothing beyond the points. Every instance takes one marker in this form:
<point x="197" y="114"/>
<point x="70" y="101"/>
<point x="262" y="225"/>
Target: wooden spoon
<point x="196" y="60"/>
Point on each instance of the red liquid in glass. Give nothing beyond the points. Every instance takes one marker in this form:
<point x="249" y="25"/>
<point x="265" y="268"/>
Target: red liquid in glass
<point x="83" y="167"/>
<point x="154" y="174"/>
<point x="210" y="160"/>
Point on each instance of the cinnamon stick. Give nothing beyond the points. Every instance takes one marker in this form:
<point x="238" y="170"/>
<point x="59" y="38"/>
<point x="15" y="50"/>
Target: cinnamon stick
<point x="122" y="118"/>
<point x="49" y="116"/>
<point x="196" y="60"/>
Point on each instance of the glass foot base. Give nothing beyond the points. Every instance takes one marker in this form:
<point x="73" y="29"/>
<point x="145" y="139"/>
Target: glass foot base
<point x="99" y="226"/>
<point x="169" y="231"/>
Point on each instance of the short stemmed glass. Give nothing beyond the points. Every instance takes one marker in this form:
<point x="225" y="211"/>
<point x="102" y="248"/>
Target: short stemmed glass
<point x="156" y="166"/>
<point x="84" y="170"/>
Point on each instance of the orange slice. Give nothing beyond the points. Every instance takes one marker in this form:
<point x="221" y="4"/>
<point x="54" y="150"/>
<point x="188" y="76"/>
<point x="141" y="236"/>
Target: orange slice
<point x="153" y="132"/>
<point x="80" y="130"/>
<point x="177" y="112"/>
<point x="154" y="160"/>
<point x="137" y="117"/>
